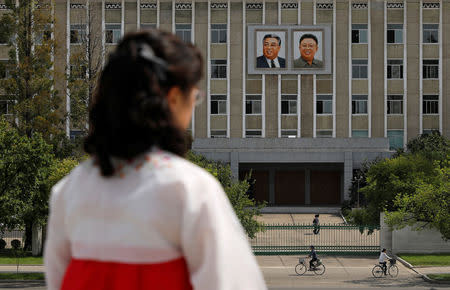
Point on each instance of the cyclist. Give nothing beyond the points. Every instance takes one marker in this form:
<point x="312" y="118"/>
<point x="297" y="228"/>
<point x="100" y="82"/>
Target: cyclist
<point x="382" y="260"/>
<point x="313" y="255"/>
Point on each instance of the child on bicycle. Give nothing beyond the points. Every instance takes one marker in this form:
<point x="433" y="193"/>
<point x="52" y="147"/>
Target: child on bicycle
<point x="313" y="255"/>
<point x="382" y="260"/>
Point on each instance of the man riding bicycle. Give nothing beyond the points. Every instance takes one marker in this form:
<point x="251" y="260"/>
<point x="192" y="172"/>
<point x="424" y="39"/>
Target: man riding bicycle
<point x="382" y="260"/>
<point x="313" y="255"/>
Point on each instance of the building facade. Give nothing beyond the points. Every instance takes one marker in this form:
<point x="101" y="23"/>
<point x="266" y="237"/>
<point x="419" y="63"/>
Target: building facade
<point x="301" y="135"/>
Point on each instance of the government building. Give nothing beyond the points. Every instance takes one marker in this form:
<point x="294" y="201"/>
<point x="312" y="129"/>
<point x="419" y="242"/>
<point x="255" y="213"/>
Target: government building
<point x="301" y="134"/>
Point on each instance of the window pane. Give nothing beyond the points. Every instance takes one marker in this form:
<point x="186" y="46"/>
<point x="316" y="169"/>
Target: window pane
<point x="355" y="72"/>
<point x="257" y="107"/>
<point x="398" y="36"/>
<point x="248" y="107"/>
<point x="363" y="36"/>
<point x="284" y="107"/>
<point x="222" y="107"/>
<point x="391" y="36"/>
<point x="363" y="72"/>
<point x="355" y="36"/>
<point x="214" y="107"/>
<point x="293" y="107"/>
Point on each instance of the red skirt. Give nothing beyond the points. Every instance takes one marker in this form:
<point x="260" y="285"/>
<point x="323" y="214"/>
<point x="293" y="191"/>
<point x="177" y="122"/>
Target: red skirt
<point x="88" y="274"/>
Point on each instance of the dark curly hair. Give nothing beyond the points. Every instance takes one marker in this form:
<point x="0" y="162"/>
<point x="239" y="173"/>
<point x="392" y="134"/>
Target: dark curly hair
<point x="130" y="113"/>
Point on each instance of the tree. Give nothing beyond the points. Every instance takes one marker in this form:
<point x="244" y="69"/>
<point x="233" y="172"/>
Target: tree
<point x="24" y="169"/>
<point x="429" y="207"/>
<point x="30" y="84"/>
<point x="433" y="146"/>
<point x="245" y="208"/>
<point x="85" y="66"/>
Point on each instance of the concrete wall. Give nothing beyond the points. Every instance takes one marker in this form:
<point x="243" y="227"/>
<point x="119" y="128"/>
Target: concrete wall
<point x="407" y="240"/>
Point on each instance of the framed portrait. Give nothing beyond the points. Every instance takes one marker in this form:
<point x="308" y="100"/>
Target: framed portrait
<point x="289" y="49"/>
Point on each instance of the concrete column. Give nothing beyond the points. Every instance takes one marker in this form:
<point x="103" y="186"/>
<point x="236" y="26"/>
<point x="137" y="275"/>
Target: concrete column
<point x="385" y="235"/>
<point x="36" y="240"/>
<point x="348" y="175"/>
<point x="271" y="186"/>
<point x="307" y="186"/>
<point x="234" y="164"/>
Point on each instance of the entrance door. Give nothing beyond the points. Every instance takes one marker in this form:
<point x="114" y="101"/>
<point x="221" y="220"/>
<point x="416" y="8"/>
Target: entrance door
<point x="325" y="187"/>
<point x="259" y="184"/>
<point x="290" y="187"/>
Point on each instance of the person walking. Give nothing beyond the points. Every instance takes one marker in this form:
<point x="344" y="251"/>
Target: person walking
<point x="136" y="214"/>
<point x="316" y="224"/>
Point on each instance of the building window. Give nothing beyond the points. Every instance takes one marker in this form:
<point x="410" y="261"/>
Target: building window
<point x="288" y="133"/>
<point x="395" y="33"/>
<point x="6" y="107"/>
<point x="218" y="133"/>
<point x="148" y="26"/>
<point x="183" y="31"/>
<point x="430" y="105"/>
<point x="359" y="68"/>
<point x="3" y="38"/>
<point x="4" y="71"/>
<point x="75" y="134"/>
<point x="218" y="33"/>
<point x="359" y="104"/>
<point x="360" y="133"/>
<point x="113" y="33"/>
<point x="218" y="104"/>
<point x="78" y="72"/>
<point x="77" y="33"/>
<point x="395" y="139"/>
<point x="395" y="69"/>
<point x="394" y="104"/>
<point x="430" y="33"/>
<point x="359" y="33"/>
<point x="324" y="133"/>
<point x="218" y="68"/>
<point x="44" y="35"/>
<point x="430" y="68"/>
<point x="253" y="133"/>
<point x="324" y="104"/>
<point x="288" y="104"/>
<point x="253" y="104"/>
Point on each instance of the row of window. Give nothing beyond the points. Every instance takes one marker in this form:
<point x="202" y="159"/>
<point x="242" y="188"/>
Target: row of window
<point x="430" y="68"/>
<point x="394" y="33"/>
<point x="324" y="104"/>
<point x="113" y="32"/>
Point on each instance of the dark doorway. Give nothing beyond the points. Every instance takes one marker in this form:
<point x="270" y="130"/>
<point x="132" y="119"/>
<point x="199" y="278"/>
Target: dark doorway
<point x="290" y="187"/>
<point x="325" y="187"/>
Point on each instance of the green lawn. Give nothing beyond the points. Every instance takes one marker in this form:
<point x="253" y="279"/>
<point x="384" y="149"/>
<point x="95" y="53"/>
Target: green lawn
<point x="440" y="277"/>
<point x="8" y="257"/>
<point x="22" y="276"/>
<point x="427" y="260"/>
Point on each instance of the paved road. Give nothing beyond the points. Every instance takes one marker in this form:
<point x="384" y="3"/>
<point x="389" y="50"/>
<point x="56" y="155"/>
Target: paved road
<point x="341" y="273"/>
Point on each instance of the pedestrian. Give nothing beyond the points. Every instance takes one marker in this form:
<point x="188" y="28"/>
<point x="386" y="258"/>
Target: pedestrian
<point x="136" y="214"/>
<point x="316" y="224"/>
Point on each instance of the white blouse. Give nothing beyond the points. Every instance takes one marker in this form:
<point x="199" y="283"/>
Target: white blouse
<point x="155" y="209"/>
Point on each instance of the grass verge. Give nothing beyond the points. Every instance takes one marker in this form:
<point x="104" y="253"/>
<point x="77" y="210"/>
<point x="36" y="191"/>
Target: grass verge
<point x="440" y="277"/>
<point x="427" y="260"/>
<point x="22" y="276"/>
<point x="22" y="261"/>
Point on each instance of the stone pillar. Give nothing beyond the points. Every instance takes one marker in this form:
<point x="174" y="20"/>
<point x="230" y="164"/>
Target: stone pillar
<point x="234" y="164"/>
<point x="348" y="175"/>
<point x="385" y="235"/>
<point x="36" y="240"/>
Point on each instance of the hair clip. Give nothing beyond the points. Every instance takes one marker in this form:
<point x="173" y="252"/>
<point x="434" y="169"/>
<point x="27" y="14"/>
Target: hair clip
<point x="146" y="52"/>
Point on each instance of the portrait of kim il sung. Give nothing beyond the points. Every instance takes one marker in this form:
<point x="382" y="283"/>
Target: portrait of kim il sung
<point x="270" y="49"/>
<point x="307" y="48"/>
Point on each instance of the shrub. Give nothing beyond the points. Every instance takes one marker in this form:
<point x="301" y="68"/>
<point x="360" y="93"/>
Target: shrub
<point x="15" y="244"/>
<point x="2" y="244"/>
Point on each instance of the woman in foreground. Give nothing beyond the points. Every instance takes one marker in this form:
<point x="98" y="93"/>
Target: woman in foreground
<point x="136" y="215"/>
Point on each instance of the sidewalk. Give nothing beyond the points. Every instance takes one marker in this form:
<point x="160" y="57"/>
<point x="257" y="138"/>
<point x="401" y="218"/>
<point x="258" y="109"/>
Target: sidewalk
<point x="299" y="218"/>
<point x="22" y="268"/>
<point x="425" y="271"/>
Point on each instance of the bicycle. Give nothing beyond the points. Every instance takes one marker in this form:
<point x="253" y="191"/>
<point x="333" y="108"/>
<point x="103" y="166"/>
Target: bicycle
<point x="302" y="266"/>
<point x="392" y="270"/>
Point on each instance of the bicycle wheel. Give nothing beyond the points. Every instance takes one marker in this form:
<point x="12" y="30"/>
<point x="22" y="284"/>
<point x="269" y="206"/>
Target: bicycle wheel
<point x="377" y="271"/>
<point x="320" y="269"/>
<point x="393" y="271"/>
<point x="300" y="269"/>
